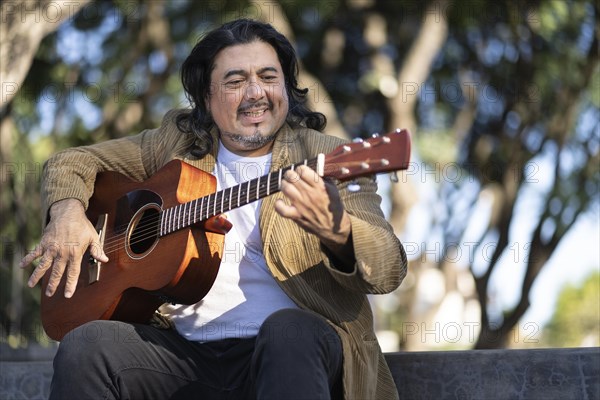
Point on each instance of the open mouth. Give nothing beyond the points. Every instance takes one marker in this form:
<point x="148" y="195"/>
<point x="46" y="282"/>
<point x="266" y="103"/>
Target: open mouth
<point x="254" y="114"/>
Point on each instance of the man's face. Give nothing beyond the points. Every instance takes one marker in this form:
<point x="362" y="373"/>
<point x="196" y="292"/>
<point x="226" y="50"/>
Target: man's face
<point x="248" y="101"/>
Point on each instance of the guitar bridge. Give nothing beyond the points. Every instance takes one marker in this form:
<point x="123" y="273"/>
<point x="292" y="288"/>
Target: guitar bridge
<point x="94" y="265"/>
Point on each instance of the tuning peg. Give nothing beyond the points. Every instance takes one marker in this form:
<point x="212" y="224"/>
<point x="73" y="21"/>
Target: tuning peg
<point x="375" y="135"/>
<point x="357" y="140"/>
<point x="353" y="187"/>
<point x="394" y="177"/>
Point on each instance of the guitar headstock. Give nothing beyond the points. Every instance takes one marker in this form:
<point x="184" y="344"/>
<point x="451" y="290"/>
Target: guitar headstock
<point x="385" y="153"/>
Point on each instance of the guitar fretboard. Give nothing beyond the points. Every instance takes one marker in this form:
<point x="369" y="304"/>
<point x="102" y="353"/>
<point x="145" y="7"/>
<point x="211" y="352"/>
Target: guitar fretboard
<point x="203" y="208"/>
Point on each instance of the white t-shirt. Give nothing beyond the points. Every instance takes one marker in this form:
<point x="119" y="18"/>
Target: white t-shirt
<point x="244" y="293"/>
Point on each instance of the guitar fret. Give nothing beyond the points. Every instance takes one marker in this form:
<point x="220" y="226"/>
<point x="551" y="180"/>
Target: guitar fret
<point x="207" y="205"/>
<point x="239" y="193"/>
<point x="268" y="184"/>
<point x="180" y="216"/>
<point x="174" y="219"/>
<point x="166" y="218"/>
<point x="189" y="213"/>
<point x="195" y="210"/>
<point x="248" y="193"/>
<point x="174" y="216"/>
<point x="222" y="201"/>
<point x="162" y="221"/>
<point x="258" y="188"/>
<point x="201" y="208"/>
<point x="279" y="179"/>
<point x="185" y="214"/>
<point x="168" y="211"/>
<point x="230" y="193"/>
<point x="215" y="205"/>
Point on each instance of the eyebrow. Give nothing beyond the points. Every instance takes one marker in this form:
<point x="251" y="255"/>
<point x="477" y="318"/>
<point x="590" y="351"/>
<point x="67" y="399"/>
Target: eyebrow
<point x="243" y="72"/>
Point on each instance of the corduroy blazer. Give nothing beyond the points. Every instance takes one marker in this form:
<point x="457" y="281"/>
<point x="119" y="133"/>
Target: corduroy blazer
<point x="298" y="262"/>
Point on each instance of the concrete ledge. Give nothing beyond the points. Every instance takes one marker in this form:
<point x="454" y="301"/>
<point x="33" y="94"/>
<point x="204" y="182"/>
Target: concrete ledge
<point x="475" y="374"/>
<point x="25" y="379"/>
<point x="498" y="374"/>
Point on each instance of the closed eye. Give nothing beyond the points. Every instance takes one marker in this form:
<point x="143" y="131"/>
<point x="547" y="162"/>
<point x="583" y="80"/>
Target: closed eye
<point x="234" y="83"/>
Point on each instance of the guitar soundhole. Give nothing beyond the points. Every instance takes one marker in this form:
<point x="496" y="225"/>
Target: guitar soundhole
<point x="143" y="232"/>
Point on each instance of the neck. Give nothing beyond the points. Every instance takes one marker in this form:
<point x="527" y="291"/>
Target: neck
<point x="258" y="152"/>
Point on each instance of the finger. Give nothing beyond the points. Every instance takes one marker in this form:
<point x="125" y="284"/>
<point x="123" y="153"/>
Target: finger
<point x="292" y="190"/>
<point x="292" y="213"/>
<point x="309" y="176"/>
<point x="40" y="270"/>
<point x="31" y="256"/>
<point x="73" y="268"/>
<point x="286" y="211"/>
<point x="58" y="270"/>
<point x="298" y="185"/>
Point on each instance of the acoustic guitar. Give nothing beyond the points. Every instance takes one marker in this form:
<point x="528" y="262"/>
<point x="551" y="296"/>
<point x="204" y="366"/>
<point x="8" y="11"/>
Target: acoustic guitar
<point x="164" y="236"/>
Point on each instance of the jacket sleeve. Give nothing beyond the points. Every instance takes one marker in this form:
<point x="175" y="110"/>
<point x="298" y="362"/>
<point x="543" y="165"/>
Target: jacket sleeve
<point x="71" y="173"/>
<point x="381" y="262"/>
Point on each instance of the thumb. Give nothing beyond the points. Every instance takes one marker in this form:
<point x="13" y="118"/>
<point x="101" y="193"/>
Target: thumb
<point x="97" y="252"/>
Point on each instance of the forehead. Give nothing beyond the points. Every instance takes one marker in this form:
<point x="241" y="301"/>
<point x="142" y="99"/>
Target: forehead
<point x="245" y="57"/>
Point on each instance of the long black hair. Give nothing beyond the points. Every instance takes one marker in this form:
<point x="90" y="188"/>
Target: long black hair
<point x="198" y="66"/>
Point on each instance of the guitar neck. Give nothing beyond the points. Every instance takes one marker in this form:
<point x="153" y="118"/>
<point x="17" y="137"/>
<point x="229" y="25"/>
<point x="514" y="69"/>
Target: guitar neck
<point x="378" y="154"/>
<point x="203" y="208"/>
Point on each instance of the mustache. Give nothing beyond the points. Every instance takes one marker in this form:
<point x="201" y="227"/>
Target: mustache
<point x="253" y="106"/>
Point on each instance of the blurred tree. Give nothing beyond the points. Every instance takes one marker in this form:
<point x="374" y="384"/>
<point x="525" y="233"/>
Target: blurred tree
<point x="576" y="320"/>
<point x="502" y="99"/>
<point x="24" y="24"/>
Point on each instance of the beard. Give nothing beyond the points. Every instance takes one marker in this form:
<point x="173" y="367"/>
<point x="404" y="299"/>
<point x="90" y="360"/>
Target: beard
<point x="251" y="142"/>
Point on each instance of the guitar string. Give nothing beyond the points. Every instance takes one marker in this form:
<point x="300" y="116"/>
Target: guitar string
<point x="197" y="216"/>
<point x="151" y="226"/>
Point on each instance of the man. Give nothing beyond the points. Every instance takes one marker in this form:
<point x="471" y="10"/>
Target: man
<point x="288" y="316"/>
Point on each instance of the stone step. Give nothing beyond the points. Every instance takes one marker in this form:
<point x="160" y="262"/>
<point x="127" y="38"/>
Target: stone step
<point x="473" y="374"/>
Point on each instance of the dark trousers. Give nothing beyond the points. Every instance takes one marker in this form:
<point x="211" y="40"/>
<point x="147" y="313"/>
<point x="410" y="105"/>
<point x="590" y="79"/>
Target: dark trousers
<point x="296" y="355"/>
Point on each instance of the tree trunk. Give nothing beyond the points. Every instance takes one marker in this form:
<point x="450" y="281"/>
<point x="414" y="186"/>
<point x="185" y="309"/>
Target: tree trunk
<point x="24" y="24"/>
<point x="412" y="76"/>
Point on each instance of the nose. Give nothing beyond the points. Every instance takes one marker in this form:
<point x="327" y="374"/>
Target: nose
<point x="254" y="91"/>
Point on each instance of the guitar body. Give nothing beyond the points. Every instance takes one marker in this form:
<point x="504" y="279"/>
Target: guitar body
<point x="144" y="269"/>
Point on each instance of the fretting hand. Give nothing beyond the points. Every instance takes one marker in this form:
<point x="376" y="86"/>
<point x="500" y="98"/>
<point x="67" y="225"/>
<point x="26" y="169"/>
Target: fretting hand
<point x="315" y="206"/>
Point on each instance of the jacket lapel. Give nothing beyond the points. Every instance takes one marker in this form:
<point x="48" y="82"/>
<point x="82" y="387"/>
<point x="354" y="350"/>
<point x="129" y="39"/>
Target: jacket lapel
<point x="284" y="153"/>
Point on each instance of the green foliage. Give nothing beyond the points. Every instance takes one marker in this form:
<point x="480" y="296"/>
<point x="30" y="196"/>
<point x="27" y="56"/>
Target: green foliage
<point x="576" y="320"/>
